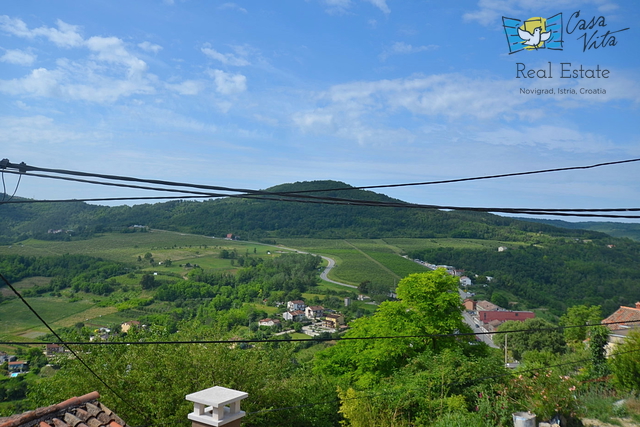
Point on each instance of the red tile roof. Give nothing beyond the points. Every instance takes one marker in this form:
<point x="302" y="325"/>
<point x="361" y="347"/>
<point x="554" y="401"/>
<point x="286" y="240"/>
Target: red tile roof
<point x="83" y="411"/>
<point x="624" y="314"/>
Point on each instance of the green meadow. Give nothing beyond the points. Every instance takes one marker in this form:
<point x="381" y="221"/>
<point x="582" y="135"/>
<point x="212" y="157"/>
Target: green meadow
<point x="357" y="260"/>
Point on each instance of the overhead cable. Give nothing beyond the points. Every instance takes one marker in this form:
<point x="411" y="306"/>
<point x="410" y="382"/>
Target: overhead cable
<point x="61" y="342"/>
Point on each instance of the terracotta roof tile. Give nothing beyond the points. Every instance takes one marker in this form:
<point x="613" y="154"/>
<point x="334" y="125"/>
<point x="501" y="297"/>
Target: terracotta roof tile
<point x="623" y="314"/>
<point x="83" y="411"/>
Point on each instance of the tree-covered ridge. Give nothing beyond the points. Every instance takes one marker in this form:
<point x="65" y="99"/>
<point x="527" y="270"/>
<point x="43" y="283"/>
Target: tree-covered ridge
<point x="615" y="229"/>
<point x="261" y="219"/>
<point x="68" y="270"/>
<point x="558" y="275"/>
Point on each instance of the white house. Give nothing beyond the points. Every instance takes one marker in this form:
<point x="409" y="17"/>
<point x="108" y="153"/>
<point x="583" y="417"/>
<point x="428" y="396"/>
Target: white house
<point x="268" y="322"/>
<point x="295" y="315"/>
<point x="465" y="281"/>
<point x="314" y="311"/>
<point x="296" y="305"/>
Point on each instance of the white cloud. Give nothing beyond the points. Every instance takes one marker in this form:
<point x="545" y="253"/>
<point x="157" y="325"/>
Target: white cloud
<point x="111" y="49"/>
<point x="380" y="4"/>
<point x="232" y="6"/>
<point x="188" y="87"/>
<point x="65" y="35"/>
<point x="238" y="60"/>
<point x="314" y="121"/>
<point x="228" y="83"/>
<point x="150" y="47"/>
<point x="18" y="57"/>
<point x="41" y="132"/>
<point x="41" y="82"/>
<point x="547" y="136"/>
<point x="401" y="48"/>
<point x="340" y="7"/>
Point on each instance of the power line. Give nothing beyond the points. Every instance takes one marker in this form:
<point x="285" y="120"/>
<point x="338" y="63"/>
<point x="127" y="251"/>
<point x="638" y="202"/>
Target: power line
<point x="449" y="181"/>
<point x="312" y="339"/>
<point x="295" y="197"/>
<point x="61" y="341"/>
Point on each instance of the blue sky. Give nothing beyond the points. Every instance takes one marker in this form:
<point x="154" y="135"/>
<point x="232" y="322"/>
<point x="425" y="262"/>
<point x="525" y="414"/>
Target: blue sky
<point x="257" y="93"/>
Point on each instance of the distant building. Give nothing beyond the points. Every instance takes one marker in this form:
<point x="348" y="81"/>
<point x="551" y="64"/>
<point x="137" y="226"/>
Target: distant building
<point x="469" y="304"/>
<point x="294" y="316"/>
<point x="620" y="323"/>
<point x="268" y="322"/>
<point x="53" y="349"/>
<point x="19" y="366"/>
<point x="126" y="326"/>
<point x="465" y="281"/>
<point x="505" y="315"/>
<point x="333" y="320"/>
<point x="486" y="306"/>
<point x="314" y="312"/>
<point x="296" y="305"/>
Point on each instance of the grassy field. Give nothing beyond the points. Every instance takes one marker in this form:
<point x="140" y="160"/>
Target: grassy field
<point x="19" y="322"/>
<point x="377" y="260"/>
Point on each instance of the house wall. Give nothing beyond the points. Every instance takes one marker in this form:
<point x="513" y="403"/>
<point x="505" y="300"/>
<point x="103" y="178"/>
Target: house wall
<point x="488" y="316"/>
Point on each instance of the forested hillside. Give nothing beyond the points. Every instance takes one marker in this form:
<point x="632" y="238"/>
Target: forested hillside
<point x="615" y="229"/>
<point x="255" y="219"/>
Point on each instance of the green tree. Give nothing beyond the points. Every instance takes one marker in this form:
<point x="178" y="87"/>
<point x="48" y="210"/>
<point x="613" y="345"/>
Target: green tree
<point x="625" y="364"/>
<point x="599" y="337"/>
<point x="155" y="378"/>
<point x="429" y="304"/>
<point x="531" y="335"/>
<point x="580" y="315"/>
<point x="363" y="287"/>
<point x="500" y="300"/>
<point x="147" y="281"/>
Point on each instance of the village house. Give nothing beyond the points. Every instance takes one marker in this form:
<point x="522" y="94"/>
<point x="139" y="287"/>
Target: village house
<point x="333" y="321"/>
<point x="126" y="326"/>
<point x="19" y="366"/>
<point x="268" y="322"/>
<point x="294" y="316"/>
<point x="486" y="306"/>
<point x="296" y="305"/>
<point x="505" y="315"/>
<point x="469" y="304"/>
<point x="465" y="281"/>
<point x="314" y="311"/>
<point x="620" y="323"/>
<point x="53" y="349"/>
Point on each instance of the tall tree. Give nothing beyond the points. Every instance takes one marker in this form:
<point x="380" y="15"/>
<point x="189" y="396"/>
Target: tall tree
<point x="429" y="304"/>
<point x="580" y="315"/>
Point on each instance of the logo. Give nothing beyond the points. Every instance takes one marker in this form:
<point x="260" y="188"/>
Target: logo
<point x="534" y="33"/>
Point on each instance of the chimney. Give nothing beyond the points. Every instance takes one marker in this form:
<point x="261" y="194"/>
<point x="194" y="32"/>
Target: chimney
<point x="638" y="305"/>
<point x="216" y="406"/>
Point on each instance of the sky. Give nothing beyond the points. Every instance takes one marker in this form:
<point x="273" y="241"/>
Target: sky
<point x="253" y="94"/>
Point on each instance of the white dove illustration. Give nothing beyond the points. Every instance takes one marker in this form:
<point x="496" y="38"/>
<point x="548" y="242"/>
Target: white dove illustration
<point x="535" y="38"/>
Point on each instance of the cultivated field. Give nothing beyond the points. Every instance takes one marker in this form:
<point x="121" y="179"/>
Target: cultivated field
<point x="376" y="260"/>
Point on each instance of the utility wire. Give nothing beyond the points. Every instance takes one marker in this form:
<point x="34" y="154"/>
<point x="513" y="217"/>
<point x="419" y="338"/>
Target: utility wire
<point x="293" y="197"/>
<point x="61" y="341"/>
<point x="312" y="339"/>
<point x="449" y="181"/>
<point x="247" y="193"/>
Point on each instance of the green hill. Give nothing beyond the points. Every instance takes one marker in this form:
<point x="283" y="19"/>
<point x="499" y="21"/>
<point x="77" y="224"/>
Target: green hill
<point x="546" y="265"/>
<point x="615" y="229"/>
<point x="258" y="219"/>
